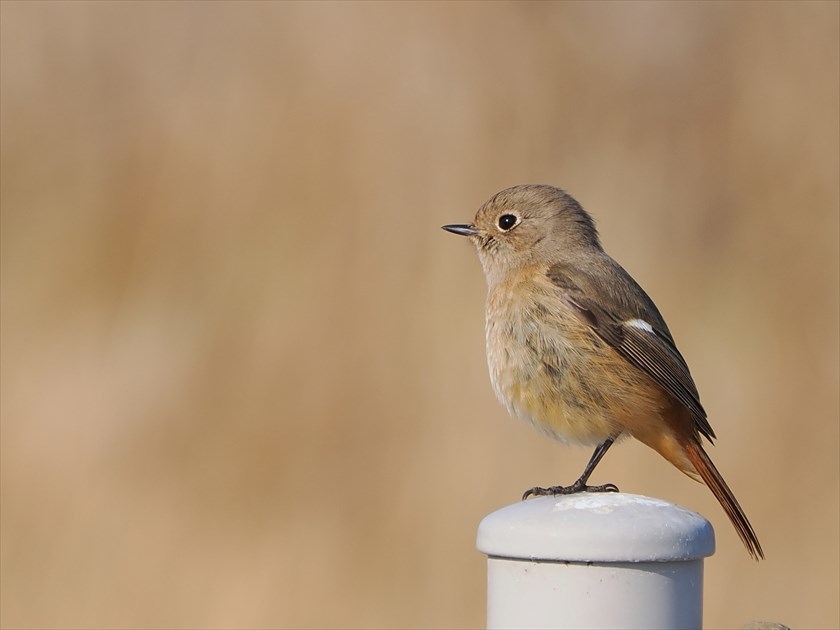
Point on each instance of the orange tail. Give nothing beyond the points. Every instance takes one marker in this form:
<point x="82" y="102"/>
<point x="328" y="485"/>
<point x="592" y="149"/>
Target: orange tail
<point x="706" y="469"/>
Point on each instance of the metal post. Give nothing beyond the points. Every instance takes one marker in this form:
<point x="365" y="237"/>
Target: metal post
<point x="604" y="560"/>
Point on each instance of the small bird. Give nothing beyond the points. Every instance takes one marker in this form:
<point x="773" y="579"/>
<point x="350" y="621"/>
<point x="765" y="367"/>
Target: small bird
<point x="577" y="348"/>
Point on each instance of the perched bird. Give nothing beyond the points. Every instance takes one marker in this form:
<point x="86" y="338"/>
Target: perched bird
<point x="578" y="349"/>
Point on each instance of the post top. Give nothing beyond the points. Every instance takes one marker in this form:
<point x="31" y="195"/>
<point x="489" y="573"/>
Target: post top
<point x="596" y="527"/>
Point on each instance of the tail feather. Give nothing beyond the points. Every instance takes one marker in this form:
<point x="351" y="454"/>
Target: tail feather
<point x="707" y="471"/>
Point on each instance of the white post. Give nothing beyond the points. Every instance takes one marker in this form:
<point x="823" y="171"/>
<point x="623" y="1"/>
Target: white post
<point x="605" y="560"/>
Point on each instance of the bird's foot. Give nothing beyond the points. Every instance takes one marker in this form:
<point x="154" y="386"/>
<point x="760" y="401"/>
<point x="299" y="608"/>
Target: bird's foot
<point x="578" y="486"/>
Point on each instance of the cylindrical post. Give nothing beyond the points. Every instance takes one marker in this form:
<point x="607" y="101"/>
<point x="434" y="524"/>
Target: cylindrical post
<point x="587" y="560"/>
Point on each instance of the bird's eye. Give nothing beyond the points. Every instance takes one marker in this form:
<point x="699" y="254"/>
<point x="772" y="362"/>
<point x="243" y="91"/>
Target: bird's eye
<point x="507" y="221"/>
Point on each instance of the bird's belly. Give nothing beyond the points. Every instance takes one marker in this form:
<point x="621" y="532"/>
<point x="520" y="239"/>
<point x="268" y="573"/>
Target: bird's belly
<point x="559" y="403"/>
<point x="555" y="373"/>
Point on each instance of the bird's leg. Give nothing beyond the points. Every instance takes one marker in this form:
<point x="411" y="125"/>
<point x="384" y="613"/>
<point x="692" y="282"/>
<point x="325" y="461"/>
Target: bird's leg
<point x="580" y="484"/>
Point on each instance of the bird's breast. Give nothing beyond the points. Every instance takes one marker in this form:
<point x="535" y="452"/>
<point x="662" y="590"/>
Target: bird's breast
<point x="550" y="369"/>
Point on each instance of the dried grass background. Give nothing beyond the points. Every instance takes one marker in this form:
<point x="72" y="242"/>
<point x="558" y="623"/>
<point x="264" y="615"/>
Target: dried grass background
<point x="243" y="375"/>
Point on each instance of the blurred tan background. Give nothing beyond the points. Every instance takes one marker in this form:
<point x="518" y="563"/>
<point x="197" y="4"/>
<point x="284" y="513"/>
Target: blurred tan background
<point x="243" y="374"/>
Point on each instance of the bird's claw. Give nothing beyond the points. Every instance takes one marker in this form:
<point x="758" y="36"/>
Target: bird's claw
<point x="576" y="487"/>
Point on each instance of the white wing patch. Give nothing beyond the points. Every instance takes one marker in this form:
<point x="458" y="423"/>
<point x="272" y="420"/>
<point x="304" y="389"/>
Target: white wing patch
<point x="639" y="323"/>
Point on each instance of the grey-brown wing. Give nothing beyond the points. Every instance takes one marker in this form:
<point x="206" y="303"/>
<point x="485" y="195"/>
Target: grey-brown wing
<point x="636" y="339"/>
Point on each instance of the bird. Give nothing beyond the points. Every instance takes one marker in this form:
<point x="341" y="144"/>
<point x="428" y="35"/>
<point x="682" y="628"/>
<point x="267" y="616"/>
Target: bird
<point x="576" y="347"/>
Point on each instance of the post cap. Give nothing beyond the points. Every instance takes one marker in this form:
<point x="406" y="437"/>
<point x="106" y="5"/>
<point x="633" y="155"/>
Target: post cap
<point x="596" y="527"/>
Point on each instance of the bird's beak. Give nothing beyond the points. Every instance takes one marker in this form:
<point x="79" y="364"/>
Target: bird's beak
<point x="461" y="229"/>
